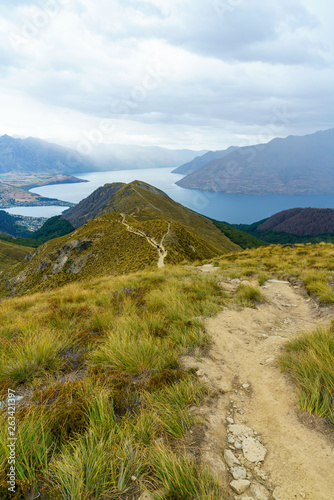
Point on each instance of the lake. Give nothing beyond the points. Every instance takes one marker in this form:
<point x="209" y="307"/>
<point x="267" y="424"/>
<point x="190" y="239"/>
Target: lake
<point x="232" y="208"/>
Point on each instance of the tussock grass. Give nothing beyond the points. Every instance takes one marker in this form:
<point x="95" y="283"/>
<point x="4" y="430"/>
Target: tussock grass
<point x="310" y="360"/>
<point x="248" y="295"/>
<point x="128" y="355"/>
<point x="32" y="357"/>
<point x="178" y="473"/>
<point x="100" y="363"/>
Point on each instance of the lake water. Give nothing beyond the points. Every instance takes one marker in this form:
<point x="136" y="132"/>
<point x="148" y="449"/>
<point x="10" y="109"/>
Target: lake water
<point x="232" y="208"/>
<point x="49" y="211"/>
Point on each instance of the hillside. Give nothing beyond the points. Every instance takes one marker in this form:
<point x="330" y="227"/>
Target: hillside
<point x="11" y="254"/>
<point x="111" y="244"/>
<point x="295" y="165"/>
<point x="199" y="161"/>
<point x="10" y="226"/>
<point x="301" y="222"/>
<point x="296" y="225"/>
<point x="144" y="203"/>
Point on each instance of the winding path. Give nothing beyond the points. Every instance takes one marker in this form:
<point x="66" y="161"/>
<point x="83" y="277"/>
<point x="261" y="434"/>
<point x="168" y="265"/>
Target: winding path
<point x="162" y="252"/>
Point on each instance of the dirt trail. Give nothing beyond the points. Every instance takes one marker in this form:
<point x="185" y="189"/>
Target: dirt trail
<point x="162" y="252"/>
<point x="254" y="392"/>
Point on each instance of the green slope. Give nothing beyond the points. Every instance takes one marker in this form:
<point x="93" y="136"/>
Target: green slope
<point x="145" y="202"/>
<point x="11" y="254"/>
<point x="104" y="247"/>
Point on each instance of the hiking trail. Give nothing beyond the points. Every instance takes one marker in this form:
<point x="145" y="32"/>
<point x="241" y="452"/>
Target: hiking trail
<point x="255" y="438"/>
<point x="162" y="252"/>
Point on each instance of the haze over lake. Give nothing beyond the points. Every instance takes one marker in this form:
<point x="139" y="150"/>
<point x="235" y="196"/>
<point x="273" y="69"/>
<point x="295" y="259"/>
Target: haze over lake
<point x="232" y="208"/>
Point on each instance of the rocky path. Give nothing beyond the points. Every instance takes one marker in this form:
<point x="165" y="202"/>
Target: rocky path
<point x="162" y="252"/>
<point x="255" y="437"/>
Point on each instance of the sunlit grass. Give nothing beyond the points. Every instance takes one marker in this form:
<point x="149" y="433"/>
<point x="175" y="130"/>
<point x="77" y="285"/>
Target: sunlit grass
<point x="310" y="360"/>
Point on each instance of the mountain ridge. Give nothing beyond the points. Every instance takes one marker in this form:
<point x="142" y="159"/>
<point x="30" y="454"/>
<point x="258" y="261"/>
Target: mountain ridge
<point x="294" y="165"/>
<point x="200" y="161"/>
<point x="121" y="228"/>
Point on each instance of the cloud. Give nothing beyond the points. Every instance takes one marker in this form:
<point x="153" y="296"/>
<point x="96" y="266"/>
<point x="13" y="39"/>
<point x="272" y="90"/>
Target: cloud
<point x="213" y="69"/>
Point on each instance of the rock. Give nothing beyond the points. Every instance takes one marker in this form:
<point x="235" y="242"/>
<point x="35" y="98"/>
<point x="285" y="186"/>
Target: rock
<point x="246" y="498"/>
<point x="238" y="472"/>
<point x="240" y="486"/>
<point x="253" y="451"/>
<point x="238" y="445"/>
<point x="259" y="491"/>
<point x="245" y="386"/>
<point x="230" y="439"/>
<point x="240" y="430"/>
<point x="200" y="373"/>
<point x="231" y="459"/>
<point x="230" y="420"/>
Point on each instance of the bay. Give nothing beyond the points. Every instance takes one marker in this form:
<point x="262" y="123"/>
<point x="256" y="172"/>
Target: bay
<point x="232" y="208"/>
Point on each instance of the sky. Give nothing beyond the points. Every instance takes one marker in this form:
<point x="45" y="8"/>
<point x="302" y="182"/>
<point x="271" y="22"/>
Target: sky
<point x="198" y="74"/>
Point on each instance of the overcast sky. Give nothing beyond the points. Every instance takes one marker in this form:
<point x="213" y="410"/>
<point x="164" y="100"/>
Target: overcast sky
<point x="201" y="74"/>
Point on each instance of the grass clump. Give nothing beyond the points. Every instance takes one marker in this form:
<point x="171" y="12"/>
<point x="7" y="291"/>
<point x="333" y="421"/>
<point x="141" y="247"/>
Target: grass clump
<point x="27" y="358"/>
<point x="179" y="477"/>
<point x="129" y="356"/>
<point x="310" y="360"/>
<point x="248" y="295"/>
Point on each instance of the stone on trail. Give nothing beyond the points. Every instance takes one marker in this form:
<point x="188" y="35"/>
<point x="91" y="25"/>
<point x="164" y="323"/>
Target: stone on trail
<point x="238" y="472"/>
<point x="240" y="486"/>
<point x="253" y="451"/>
<point x="240" y="430"/>
<point x="231" y="459"/>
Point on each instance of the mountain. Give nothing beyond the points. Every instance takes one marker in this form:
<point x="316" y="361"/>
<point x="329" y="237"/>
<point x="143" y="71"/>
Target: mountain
<point x="122" y="157"/>
<point x="296" y="225"/>
<point x="200" y="161"/>
<point x="120" y="228"/>
<point x="34" y="156"/>
<point x="301" y="221"/>
<point x="294" y="165"/>
<point x="145" y="203"/>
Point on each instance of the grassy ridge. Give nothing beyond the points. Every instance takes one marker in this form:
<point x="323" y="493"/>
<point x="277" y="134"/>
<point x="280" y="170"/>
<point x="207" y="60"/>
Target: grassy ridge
<point x="103" y="247"/>
<point x="311" y="264"/>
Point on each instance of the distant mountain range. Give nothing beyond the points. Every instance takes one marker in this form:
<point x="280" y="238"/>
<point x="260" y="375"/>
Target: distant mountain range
<point x="295" y="165"/>
<point x="200" y="161"/>
<point x="121" y="157"/>
<point x="33" y="155"/>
